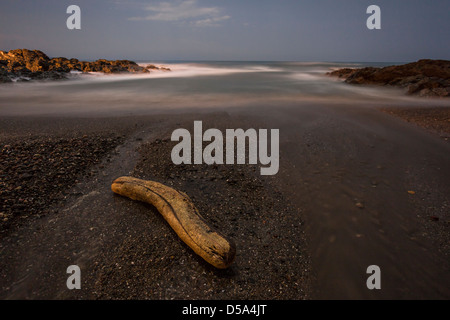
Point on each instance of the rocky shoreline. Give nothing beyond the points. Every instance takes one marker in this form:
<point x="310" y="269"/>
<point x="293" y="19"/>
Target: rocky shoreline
<point x="26" y="65"/>
<point x="425" y="78"/>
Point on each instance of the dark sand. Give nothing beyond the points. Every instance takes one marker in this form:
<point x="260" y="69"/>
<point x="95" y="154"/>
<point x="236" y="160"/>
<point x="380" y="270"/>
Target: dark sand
<point x="299" y="234"/>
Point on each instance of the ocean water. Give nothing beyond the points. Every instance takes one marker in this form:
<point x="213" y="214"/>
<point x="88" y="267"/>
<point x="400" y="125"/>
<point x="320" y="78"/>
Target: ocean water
<point x="198" y="85"/>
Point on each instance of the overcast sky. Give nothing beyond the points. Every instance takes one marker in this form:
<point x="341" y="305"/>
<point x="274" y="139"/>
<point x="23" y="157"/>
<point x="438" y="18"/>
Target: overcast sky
<point x="295" y="30"/>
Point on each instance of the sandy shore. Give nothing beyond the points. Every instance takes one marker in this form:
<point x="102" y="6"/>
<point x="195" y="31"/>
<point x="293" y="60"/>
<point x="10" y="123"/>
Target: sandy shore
<point x="342" y="201"/>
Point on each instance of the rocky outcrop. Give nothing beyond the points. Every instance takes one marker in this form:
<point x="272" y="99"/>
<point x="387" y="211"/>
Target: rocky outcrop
<point x="423" y="78"/>
<point x="153" y="67"/>
<point x="23" y="65"/>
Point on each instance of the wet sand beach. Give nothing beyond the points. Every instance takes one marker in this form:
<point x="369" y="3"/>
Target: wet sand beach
<point x="356" y="187"/>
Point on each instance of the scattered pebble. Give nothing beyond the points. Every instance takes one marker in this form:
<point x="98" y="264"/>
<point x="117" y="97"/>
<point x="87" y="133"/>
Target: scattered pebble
<point x="359" y="205"/>
<point x="38" y="172"/>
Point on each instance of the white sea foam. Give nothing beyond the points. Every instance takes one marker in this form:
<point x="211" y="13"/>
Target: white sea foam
<point x="180" y="70"/>
<point x="197" y="85"/>
<point x="308" y="76"/>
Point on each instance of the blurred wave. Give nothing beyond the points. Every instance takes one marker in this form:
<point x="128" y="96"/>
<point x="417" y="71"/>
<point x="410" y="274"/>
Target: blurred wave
<point x="198" y="85"/>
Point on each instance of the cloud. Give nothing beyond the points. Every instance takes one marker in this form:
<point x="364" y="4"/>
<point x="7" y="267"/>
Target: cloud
<point x="184" y="11"/>
<point x="211" y="22"/>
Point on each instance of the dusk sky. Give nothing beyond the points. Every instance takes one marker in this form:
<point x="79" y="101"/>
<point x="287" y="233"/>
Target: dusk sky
<point x="293" y="30"/>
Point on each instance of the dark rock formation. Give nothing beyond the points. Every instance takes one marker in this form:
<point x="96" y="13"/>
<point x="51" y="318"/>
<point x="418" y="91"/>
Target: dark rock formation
<point x="423" y="78"/>
<point x="4" y="76"/>
<point x="342" y="73"/>
<point x="153" y="67"/>
<point x="23" y="60"/>
<point x="117" y="66"/>
<point x="24" y="65"/>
